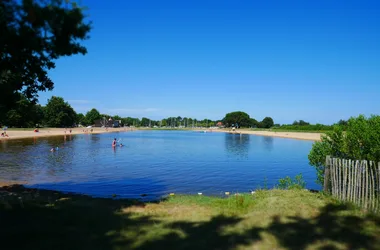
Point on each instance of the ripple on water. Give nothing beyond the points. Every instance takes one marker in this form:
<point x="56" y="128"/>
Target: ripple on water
<point x="156" y="162"/>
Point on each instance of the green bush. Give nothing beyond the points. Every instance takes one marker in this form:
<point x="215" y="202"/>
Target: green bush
<point x="289" y="183"/>
<point x="309" y="127"/>
<point x="359" y="141"/>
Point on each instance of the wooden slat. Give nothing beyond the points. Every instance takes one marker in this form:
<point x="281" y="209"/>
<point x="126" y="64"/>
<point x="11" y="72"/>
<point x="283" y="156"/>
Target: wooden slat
<point x="354" y="181"/>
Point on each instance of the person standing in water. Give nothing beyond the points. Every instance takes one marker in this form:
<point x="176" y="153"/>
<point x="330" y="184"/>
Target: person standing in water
<point x="114" y="142"/>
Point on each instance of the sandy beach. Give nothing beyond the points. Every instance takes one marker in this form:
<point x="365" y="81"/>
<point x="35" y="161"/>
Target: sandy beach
<point x="292" y="135"/>
<point x="29" y="133"/>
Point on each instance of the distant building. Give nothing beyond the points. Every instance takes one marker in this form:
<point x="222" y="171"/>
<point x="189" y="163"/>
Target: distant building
<point x="110" y="123"/>
<point x="219" y="124"/>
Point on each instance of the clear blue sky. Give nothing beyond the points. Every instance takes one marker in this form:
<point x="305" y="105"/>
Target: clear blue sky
<point x="313" y="60"/>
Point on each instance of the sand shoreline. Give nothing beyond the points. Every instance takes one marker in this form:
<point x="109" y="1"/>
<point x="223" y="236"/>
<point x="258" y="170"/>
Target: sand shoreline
<point x="24" y="134"/>
<point x="290" y="135"/>
<point x="47" y="132"/>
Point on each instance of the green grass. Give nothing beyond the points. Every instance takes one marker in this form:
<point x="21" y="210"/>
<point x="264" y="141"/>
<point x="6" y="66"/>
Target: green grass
<point x="272" y="219"/>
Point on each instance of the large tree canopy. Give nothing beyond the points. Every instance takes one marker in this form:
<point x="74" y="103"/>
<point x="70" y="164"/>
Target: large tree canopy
<point x="237" y="117"/>
<point x="33" y="34"/>
<point x="267" y="122"/>
<point x="59" y="113"/>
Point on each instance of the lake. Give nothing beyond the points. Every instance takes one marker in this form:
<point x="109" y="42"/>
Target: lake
<point x="155" y="163"/>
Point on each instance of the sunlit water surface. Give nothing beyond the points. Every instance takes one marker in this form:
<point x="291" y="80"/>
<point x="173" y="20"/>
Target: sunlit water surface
<point x="155" y="163"/>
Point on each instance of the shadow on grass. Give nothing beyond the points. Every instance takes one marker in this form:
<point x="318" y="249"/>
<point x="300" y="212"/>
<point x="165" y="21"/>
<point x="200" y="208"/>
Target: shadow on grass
<point x="81" y="222"/>
<point x="333" y="225"/>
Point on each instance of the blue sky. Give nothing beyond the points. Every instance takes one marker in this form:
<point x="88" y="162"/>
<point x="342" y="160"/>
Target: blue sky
<point x="313" y="60"/>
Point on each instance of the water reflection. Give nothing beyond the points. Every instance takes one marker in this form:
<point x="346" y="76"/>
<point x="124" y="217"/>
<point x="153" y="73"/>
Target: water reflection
<point x="23" y="160"/>
<point x="237" y="144"/>
<point x="154" y="162"/>
<point x="268" y="142"/>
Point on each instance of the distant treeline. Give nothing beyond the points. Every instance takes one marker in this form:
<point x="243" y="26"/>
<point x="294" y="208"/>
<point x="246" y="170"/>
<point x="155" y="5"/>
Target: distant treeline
<point x="305" y="126"/>
<point x="310" y="127"/>
<point x="58" y="113"/>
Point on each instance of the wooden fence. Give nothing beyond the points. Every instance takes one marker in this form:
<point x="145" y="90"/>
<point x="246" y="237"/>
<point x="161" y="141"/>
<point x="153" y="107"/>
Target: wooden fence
<point x="354" y="181"/>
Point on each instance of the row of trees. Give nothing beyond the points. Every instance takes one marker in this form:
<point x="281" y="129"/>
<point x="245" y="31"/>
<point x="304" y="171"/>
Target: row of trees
<point x="309" y="127"/>
<point x="58" y="113"/>
<point x="302" y="125"/>
<point x="242" y="119"/>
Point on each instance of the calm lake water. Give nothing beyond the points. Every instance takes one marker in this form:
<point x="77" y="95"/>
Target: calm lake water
<point x="155" y="163"/>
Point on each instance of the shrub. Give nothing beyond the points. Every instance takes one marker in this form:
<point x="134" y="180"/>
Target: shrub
<point x="359" y="141"/>
<point x="289" y="183"/>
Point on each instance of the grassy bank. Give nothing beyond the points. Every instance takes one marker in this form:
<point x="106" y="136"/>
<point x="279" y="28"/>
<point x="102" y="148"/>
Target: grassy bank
<point x="274" y="219"/>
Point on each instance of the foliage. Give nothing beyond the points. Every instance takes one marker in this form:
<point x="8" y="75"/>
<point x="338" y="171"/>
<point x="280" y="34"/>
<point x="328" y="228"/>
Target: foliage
<point x="267" y="122"/>
<point x="342" y="122"/>
<point x="254" y="123"/>
<point x="81" y="119"/>
<point x="59" y="113"/>
<point x="301" y="123"/>
<point x="238" y="117"/>
<point x="289" y="183"/>
<point x="129" y="121"/>
<point x="33" y="35"/>
<point x="116" y="117"/>
<point x="23" y="114"/>
<point x="310" y="127"/>
<point x="145" y="122"/>
<point x="360" y="141"/>
<point x="91" y="116"/>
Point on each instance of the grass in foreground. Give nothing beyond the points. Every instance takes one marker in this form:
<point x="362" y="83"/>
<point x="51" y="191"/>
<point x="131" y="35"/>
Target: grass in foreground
<point x="274" y="219"/>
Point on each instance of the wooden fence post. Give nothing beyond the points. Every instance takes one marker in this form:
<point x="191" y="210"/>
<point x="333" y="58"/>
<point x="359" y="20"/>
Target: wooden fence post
<point x="326" y="184"/>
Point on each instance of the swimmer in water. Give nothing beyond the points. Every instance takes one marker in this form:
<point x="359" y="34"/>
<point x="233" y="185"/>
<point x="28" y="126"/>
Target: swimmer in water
<point x="114" y="143"/>
<point x="52" y="150"/>
<point x="121" y="144"/>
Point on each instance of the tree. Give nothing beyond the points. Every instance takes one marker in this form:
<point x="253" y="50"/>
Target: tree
<point x="129" y="121"/>
<point x="33" y="35"/>
<point x="24" y="114"/>
<point x="342" y="123"/>
<point x="237" y="117"/>
<point x="145" y="122"/>
<point x="361" y="141"/>
<point x="267" y="122"/>
<point x="80" y="119"/>
<point x="116" y="117"/>
<point x="163" y="123"/>
<point x="254" y="123"/>
<point x="92" y="115"/>
<point x="59" y="113"/>
<point x="303" y="123"/>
